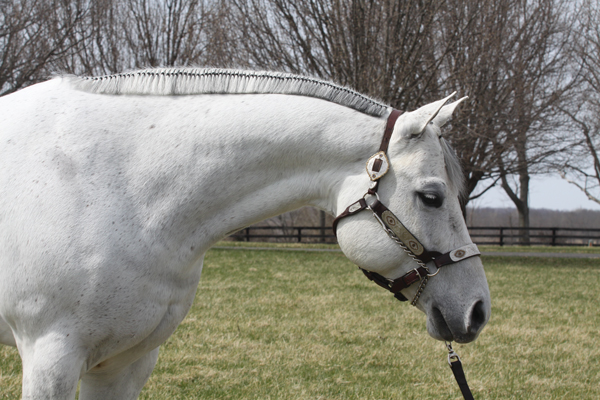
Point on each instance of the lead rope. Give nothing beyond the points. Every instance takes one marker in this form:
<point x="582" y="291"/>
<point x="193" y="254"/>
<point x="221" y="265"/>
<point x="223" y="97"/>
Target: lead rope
<point x="453" y="358"/>
<point x="459" y="374"/>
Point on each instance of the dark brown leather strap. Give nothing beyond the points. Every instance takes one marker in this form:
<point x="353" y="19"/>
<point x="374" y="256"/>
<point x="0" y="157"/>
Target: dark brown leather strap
<point x="389" y="129"/>
<point x="443" y="259"/>
<point x="393" y="224"/>
<point x="408" y="279"/>
<point x="352" y="209"/>
<point x="396" y="285"/>
<point x="385" y="142"/>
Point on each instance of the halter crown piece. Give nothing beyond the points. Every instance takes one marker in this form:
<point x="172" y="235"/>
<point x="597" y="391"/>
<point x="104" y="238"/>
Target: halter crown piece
<point x="377" y="167"/>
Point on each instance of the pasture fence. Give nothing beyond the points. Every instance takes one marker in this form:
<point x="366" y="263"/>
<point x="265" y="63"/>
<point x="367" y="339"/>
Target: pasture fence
<point x="496" y="235"/>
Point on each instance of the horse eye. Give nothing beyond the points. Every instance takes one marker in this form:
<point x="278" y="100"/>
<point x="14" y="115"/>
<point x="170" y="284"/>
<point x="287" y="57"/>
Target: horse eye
<point x="431" y="199"/>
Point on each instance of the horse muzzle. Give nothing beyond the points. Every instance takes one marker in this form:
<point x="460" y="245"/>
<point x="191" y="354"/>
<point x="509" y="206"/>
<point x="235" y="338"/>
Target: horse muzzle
<point x="458" y="324"/>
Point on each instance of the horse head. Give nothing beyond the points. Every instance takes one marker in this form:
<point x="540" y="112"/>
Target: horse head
<point x="420" y="192"/>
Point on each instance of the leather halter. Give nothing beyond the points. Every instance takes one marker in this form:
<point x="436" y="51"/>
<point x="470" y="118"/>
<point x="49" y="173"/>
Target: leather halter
<point x="377" y="167"/>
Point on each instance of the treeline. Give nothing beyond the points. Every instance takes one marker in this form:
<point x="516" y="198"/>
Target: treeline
<point x="476" y="217"/>
<point x="529" y="67"/>
<point x="540" y="218"/>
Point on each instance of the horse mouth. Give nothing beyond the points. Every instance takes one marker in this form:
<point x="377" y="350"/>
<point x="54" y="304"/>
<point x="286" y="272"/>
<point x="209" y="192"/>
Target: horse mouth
<point x="450" y="327"/>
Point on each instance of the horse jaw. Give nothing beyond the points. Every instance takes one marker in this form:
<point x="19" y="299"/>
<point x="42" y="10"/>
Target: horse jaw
<point x="456" y="301"/>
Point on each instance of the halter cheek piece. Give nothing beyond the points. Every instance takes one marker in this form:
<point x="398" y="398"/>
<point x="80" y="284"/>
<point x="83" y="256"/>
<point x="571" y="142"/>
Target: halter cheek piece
<point x="377" y="167"/>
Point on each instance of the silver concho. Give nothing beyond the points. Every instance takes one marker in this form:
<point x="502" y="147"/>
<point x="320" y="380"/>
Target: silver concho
<point x="414" y="246"/>
<point x="459" y="253"/>
<point x="377" y="166"/>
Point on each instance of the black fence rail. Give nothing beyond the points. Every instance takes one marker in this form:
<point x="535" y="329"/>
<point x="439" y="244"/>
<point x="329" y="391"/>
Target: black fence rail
<point x="501" y="236"/>
<point x="506" y="236"/>
<point x="299" y="234"/>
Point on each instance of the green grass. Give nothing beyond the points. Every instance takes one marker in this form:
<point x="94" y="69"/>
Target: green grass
<point x="483" y="248"/>
<point x="541" y="249"/>
<point x="286" y="245"/>
<point x="294" y="325"/>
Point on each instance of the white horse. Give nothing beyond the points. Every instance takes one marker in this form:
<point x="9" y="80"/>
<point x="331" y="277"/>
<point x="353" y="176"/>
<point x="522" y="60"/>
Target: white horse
<point x="112" y="189"/>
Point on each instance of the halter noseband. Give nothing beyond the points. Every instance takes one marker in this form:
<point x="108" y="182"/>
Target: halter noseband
<point x="377" y="167"/>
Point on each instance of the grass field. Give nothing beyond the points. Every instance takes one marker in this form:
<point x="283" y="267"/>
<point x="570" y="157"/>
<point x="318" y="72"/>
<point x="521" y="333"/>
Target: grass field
<point x="296" y="325"/>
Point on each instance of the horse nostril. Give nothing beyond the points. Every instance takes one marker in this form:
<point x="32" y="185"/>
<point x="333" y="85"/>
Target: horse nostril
<point x="462" y="325"/>
<point x="478" y="317"/>
<point x="441" y="325"/>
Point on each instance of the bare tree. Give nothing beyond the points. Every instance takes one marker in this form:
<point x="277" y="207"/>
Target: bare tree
<point x="145" y="33"/>
<point x="39" y="37"/>
<point x="511" y="57"/>
<point x="582" y="166"/>
<point x="169" y="32"/>
<point x="104" y="50"/>
<point x="540" y="65"/>
<point x="382" y="48"/>
<point x="585" y="175"/>
<point x="33" y="35"/>
<point x="512" y="60"/>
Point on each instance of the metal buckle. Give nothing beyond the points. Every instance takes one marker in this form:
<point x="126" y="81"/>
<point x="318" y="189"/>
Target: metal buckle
<point x="452" y="356"/>
<point x="385" y="228"/>
<point x="419" y="274"/>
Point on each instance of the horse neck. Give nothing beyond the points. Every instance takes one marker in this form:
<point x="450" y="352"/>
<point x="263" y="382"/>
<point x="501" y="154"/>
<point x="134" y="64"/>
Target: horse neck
<point x="298" y="153"/>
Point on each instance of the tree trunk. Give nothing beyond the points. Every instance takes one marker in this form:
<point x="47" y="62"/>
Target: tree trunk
<point x="521" y="200"/>
<point x="523" y="207"/>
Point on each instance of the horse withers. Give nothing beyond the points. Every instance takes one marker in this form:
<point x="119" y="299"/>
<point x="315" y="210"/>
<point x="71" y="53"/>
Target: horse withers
<point x="113" y="188"/>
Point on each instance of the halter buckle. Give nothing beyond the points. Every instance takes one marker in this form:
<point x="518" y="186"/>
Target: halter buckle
<point x="419" y="274"/>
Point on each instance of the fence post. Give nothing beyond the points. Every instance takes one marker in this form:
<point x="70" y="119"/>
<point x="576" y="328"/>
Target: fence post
<point x="247" y="234"/>
<point x="501" y="236"/>
<point x="299" y="234"/>
<point x="553" y="237"/>
<point x="322" y="218"/>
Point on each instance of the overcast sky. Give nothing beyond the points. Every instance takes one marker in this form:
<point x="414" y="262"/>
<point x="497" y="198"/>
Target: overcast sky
<point x="545" y="192"/>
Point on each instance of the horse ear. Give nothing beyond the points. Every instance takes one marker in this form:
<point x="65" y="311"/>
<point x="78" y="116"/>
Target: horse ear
<point x="412" y="124"/>
<point x="446" y="112"/>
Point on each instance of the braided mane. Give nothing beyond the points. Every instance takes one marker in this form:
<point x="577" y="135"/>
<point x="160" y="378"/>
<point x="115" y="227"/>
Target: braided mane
<point x="190" y="81"/>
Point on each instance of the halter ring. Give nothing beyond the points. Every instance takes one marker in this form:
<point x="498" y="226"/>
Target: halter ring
<point x="371" y="194"/>
<point x="434" y="274"/>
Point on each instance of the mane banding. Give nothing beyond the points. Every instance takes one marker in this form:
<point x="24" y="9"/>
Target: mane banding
<point x="194" y="81"/>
